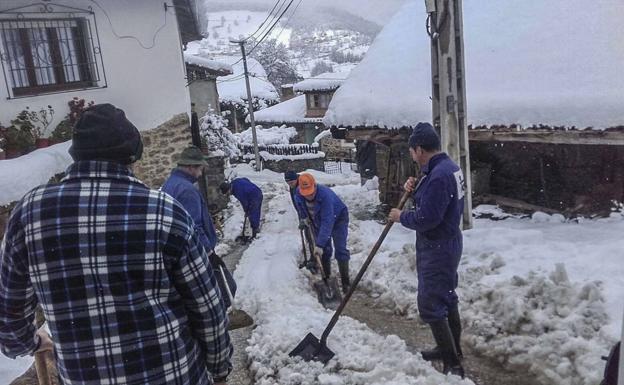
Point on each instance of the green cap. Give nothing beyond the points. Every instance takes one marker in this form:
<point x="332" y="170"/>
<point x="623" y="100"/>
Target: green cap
<point x="192" y="156"/>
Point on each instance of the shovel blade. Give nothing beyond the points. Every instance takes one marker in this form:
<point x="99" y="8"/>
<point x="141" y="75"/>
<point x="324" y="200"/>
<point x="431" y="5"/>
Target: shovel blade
<point x="311" y="349"/>
<point x="328" y="293"/>
<point x="239" y="319"/>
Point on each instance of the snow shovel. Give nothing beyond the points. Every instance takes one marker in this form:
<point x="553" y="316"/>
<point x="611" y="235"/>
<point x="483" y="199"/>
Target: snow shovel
<point x="243" y="239"/>
<point x="327" y="288"/>
<point x="305" y="252"/>
<point x="311" y="348"/>
<point x="238" y="318"/>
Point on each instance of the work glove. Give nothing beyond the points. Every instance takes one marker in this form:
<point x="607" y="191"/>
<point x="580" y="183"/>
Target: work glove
<point x="303" y="223"/>
<point x="318" y="251"/>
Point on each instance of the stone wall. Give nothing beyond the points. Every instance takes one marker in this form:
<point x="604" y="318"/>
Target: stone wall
<point x="337" y="148"/>
<point x="215" y="175"/>
<point x="162" y="146"/>
<point x="300" y="165"/>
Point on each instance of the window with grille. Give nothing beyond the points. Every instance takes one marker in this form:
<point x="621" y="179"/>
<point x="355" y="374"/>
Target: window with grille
<point x="48" y="55"/>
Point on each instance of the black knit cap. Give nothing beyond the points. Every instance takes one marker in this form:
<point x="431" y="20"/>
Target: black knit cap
<point x="104" y="133"/>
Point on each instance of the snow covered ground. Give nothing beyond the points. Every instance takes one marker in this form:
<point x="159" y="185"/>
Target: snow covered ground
<point x="538" y="294"/>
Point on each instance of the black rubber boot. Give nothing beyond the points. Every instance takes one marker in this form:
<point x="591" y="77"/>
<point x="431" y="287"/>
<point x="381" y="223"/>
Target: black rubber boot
<point x="456" y="328"/>
<point x="444" y="339"/>
<point x="343" y="267"/>
<point x="326" y="266"/>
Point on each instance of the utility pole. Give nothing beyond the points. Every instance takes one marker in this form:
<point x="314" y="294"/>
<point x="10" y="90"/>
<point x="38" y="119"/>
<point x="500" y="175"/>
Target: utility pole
<point x="250" y="101"/>
<point x="445" y="27"/>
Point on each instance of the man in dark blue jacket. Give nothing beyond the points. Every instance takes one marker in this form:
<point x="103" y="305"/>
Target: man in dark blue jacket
<point x="439" y="204"/>
<point x="321" y="208"/>
<point x="181" y="186"/>
<point x="250" y="197"/>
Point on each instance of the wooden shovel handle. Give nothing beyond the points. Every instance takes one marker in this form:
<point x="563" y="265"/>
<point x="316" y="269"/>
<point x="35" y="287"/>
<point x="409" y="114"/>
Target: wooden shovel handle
<point x="41" y="366"/>
<point x="357" y="279"/>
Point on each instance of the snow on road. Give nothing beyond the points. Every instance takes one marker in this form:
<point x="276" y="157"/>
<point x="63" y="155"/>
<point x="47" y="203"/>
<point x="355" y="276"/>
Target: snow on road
<point x="280" y="298"/>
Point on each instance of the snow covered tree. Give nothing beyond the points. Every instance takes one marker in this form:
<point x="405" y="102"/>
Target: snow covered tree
<point x="217" y="137"/>
<point x="276" y="60"/>
<point x="321" y="67"/>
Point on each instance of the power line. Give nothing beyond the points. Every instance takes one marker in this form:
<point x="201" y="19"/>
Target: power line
<point x="272" y="26"/>
<point x="262" y="28"/>
<point x="288" y="21"/>
<point x="267" y="18"/>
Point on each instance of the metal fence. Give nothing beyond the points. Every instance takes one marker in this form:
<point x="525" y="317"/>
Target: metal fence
<point x="290" y="149"/>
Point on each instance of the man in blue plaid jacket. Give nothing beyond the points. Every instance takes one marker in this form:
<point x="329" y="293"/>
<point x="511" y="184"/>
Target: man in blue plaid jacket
<point x="120" y="273"/>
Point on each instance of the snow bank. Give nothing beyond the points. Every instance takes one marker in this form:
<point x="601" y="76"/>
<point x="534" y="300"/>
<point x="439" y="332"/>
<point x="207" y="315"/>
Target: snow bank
<point x="518" y="70"/>
<point x="290" y="111"/>
<point x="206" y="62"/>
<point x="538" y="294"/>
<point x="327" y="81"/>
<point x="267" y="136"/>
<point x="20" y="175"/>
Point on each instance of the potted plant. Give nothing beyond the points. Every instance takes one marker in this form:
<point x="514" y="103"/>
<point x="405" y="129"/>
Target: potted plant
<point x="37" y="123"/>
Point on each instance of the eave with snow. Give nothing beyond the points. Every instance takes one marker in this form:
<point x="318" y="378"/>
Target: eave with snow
<point x="517" y="75"/>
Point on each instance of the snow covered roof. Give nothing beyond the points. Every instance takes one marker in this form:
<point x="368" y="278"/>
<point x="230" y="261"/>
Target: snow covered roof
<point x="232" y="88"/>
<point x="327" y="81"/>
<point x="527" y="62"/>
<point x="217" y="67"/>
<point x="290" y="111"/>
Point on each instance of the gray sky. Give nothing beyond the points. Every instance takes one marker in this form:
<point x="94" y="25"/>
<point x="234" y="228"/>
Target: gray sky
<point x="378" y="11"/>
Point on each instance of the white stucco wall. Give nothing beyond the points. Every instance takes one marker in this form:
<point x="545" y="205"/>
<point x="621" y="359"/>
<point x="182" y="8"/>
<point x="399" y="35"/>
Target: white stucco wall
<point x="148" y="84"/>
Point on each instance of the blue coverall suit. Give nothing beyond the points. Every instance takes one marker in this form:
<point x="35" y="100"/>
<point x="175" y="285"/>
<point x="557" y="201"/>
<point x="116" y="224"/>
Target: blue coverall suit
<point x="250" y="197"/>
<point x="439" y="205"/>
<point x="330" y="220"/>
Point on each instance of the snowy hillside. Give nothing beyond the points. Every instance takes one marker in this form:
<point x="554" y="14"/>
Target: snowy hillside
<point x="320" y="35"/>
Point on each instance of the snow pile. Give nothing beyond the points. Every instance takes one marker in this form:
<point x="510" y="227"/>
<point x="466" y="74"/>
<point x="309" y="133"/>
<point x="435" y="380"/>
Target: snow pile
<point x="290" y="111"/>
<point x="205" y="62"/>
<point x="327" y="81"/>
<point x="267" y="136"/>
<point x="508" y="318"/>
<point x="219" y="139"/>
<point x="20" y="175"/>
<point x="531" y="293"/>
<point x="517" y="71"/>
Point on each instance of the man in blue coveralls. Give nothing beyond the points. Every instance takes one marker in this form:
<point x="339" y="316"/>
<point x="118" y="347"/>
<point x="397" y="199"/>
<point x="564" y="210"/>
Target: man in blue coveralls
<point x="437" y="216"/>
<point x="250" y="197"/>
<point x="321" y="208"/>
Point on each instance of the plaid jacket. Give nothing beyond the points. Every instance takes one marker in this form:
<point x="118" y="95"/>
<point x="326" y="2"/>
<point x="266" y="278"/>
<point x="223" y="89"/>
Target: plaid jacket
<point x="122" y="279"/>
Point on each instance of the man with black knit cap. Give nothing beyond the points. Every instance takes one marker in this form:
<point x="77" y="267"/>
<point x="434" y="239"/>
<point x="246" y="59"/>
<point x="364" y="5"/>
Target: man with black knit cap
<point x="118" y="269"/>
<point x="437" y="217"/>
